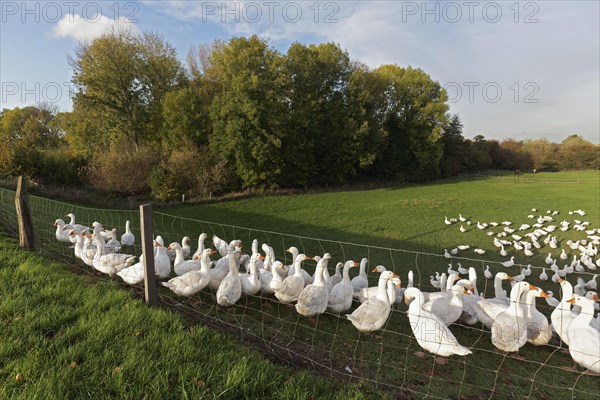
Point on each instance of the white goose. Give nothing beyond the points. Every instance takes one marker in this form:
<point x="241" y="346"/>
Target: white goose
<point x="373" y="313"/>
<point x="73" y="225"/>
<point x="201" y="238"/>
<point x="292" y="286"/>
<point x="162" y="263"/>
<point x="448" y="308"/>
<point x="98" y="228"/>
<point x="113" y="243"/>
<point x="221" y="268"/>
<point x="181" y="265"/>
<point x="337" y="277"/>
<point x="509" y="263"/>
<point x="230" y="289"/>
<point x="251" y="281"/>
<point x="584" y="340"/>
<point x="221" y="246"/>
<point x="509" y="330"/>
<point x="78" y="241"/>
<point x="363" y="294"/>
<point x="61" y="234"/>
<point x="127" y="239"/>
<point x="134" y="274"/>
<point x="109" y="263"/>
<point x="194" y="281"/>
<point x="488" y="309"/>
<point x="361" y="281"/>
<point x="487" y="273"/>
<point x="185" y="248"/>
<point x="270" y="281"/>
<point x="538" y="329"/>
<point x="340" y="298"/>
<point x="88" y="250"/>
<point x="308" y="278"/>
<point x="431" y="333"/>
<point x="314" y="298"/>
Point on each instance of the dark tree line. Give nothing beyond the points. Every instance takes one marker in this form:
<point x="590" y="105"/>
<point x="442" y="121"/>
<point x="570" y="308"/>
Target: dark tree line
<point x="241" y="114"/>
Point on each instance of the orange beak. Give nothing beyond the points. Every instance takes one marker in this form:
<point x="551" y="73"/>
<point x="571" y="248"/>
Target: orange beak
<point x="395" y="276"/>
<point x="572" y="301"/>
<point x="407" y="299"/>
<point x="508" y="278"/>
<point x="561" y="280"/>
<point x="531" y="287"/>
<point x="356" y="264"/>
<point x="169" y="248"/>
<point x="595" y="297"/>
<point x="374" y="269"/>
<point x="196" y="257"/>
<point x="212" y="251"/>
<point x="545" y="295"/>
<point x="261" y="257"/>
<point x="308" y="258"/>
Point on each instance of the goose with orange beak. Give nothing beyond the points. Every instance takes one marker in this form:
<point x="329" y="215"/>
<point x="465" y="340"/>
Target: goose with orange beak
<point x="431" y="333"/>
<point x="340" y="298"/>
<point x="374" y="312"/>
<point x="584" y="339"/>
<point x="509" y="330"/>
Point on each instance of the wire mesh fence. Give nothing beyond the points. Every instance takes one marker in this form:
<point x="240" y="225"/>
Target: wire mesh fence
<point x="389" y="358"/>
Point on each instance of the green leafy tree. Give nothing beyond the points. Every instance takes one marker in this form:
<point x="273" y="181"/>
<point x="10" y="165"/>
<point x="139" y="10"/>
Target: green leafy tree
<point x="455" y="158"/>
<point x="577" y="153"/>
<point x="414" y="115"/>
<point x="248" y="110"/>
<point x="325" y="120"/>
<point x="123" y="79"/>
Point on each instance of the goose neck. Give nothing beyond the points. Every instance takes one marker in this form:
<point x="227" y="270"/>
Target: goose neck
<point x="382" y="290"/>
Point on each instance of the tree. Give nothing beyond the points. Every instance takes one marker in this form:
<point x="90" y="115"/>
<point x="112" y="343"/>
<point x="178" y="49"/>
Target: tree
<point x="186" y="117"/>
<point x="456" y="148"/>
<point x="123" y="78"/>
<point x="248" y="110"/>
<point x="413" y="114"/>
<point x="328" y="116"/>
<point x="577" y="153"/>
<point x="542" y="154"/>
<point x="32" y="126"/>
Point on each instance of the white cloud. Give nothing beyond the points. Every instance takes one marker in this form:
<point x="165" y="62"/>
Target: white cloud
<point x="83" y="29"/>
<point x="554" y="45"/>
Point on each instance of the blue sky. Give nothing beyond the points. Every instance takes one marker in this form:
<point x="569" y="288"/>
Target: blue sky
<point x="512" y="69"/>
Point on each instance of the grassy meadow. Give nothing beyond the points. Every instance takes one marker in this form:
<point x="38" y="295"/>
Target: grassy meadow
<point x="402" y="228"/>
<point x="65" y="336"/>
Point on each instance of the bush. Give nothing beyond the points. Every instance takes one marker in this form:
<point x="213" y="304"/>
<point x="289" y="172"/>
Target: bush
<point x="52" y="166"/>
<point x="123" y="170"/>
<point x="192" y="172"/>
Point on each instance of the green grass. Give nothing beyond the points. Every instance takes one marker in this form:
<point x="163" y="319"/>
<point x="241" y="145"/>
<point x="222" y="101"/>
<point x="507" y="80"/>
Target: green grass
<point x="411" y="218"/>
<point x="71" y="336"/>
<point x="403" y="229"/>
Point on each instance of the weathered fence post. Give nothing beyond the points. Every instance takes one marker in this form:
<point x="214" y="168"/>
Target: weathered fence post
<point x="23" y="215"/>
<point x="148" y="252"/>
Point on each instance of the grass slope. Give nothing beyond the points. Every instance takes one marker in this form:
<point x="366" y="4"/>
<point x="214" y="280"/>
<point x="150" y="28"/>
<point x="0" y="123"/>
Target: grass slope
<point x="411" y="218"/>
<point x="71" y="336"/>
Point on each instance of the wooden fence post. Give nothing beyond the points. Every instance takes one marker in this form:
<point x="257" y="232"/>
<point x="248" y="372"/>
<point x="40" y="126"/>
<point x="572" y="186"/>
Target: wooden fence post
<point x="148" y="252"/>
<point x="23" y="215"/>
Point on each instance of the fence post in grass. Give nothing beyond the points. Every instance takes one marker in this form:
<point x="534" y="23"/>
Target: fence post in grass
<point x="23" y="215"/>
<point x="148" y="252"/>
